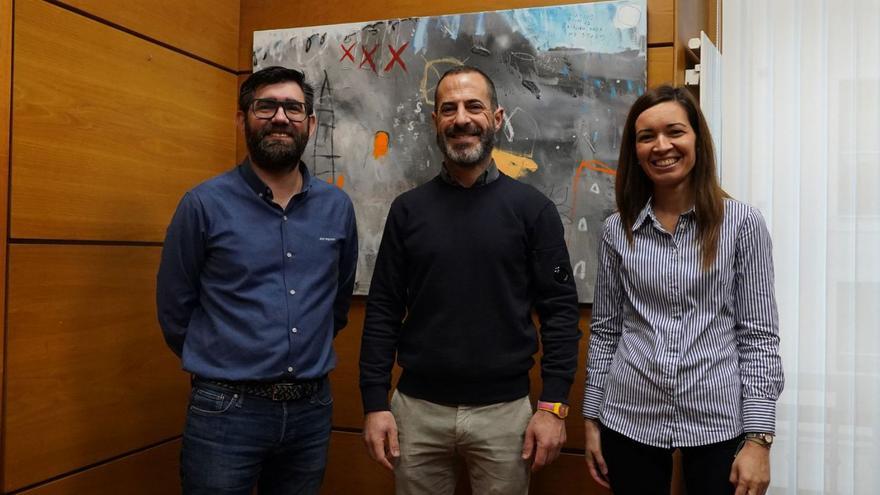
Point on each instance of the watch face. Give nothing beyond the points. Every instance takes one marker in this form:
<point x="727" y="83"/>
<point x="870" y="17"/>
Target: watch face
<point x="563" y="411"/>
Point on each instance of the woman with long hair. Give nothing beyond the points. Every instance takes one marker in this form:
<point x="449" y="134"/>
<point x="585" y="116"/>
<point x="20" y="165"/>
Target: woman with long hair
<point x="684" y="345"/>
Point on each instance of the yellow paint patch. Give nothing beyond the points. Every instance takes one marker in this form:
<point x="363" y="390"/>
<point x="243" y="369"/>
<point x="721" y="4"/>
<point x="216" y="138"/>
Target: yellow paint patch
<point x="513" y="164"/>
<point x="380" y="144"/>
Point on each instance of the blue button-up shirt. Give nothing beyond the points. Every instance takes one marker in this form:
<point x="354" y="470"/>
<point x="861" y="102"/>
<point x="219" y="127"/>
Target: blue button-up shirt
<point x="250" y="291"/>
<point x="680" y="356"/>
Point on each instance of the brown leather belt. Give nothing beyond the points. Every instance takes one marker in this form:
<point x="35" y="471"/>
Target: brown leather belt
<point x="277" y="391"/>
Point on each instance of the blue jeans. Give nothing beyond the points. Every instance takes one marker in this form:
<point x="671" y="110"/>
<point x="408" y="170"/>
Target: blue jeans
<point x="233" y="442"/>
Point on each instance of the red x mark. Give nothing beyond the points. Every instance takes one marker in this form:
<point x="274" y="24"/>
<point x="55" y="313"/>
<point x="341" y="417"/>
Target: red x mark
<point x="368" y="57"/>
<point x="347" y="51"/>
<point x="395" y="57"/>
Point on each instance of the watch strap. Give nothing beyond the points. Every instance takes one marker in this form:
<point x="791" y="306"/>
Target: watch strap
<point x="557" y="408"/>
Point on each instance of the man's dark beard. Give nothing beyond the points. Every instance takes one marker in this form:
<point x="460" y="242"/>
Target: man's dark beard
<point x="464" y="159"/>
<point x="275" y="155"/>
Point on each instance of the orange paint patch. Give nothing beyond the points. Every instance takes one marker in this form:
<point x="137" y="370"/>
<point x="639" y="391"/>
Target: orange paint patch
<point x="380" y="144"/>
<point x="595" y="166"/>
<point x="340" y="181"/>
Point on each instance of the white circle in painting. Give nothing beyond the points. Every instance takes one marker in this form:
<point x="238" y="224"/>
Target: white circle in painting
<point x="627" y="16"/>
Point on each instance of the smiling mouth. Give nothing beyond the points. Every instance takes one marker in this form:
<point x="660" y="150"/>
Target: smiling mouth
<point x="666" y="162"/>
<point x="279" y="135"/>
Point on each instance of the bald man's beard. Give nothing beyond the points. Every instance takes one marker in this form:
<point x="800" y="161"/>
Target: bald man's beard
<point x="467" y="155"/>
<point x="272" y="154"/>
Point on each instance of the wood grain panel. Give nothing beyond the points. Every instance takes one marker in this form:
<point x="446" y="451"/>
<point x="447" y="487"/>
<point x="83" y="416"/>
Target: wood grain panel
<point x="347" y="409"/>
<point x="690" y="19"/>
<point x="240" y="145"/>
<point x="660" y="66"/>
<point x="109" y="128"/>
<point x="661" y="21"/>
<point x="5" y="89"/>
<point x="568" y="471"/>
<point x="351" y="471"/>
<point x="174" y="22"/>
<point x="149" y="472"/>
<point x="88" y="374"/>
<point x="258" y="15"/>
<point x="713" y="27"/>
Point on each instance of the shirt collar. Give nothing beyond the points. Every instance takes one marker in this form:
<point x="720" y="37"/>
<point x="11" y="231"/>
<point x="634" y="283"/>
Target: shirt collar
<point x="647" y="213"/>
<point x="246" y="169"/>
<point x="488" y="176"/>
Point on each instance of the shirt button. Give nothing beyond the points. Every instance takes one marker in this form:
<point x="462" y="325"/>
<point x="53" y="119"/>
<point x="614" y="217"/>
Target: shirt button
<point x="284" y="217"/>
<point x="290" y="369"/>
<point x="292" y="292"/>
<point x="289" y="254"/>
<point x="293" y="330"/>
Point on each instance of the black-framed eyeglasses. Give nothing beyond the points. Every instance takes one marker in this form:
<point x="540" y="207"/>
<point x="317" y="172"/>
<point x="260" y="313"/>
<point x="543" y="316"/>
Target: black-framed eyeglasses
<point x="265" y="108"/>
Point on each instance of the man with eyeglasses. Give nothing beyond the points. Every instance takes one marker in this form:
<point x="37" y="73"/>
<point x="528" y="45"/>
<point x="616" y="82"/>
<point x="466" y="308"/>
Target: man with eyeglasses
<point x="255" y="281"/>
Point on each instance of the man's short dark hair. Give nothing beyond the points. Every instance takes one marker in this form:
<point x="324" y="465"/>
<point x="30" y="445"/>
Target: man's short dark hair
<point x="469" y="69"/>
<point x="274" y="75"/>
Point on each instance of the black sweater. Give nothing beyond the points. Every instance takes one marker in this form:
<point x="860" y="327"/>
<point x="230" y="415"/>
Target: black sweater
<point x="457" y="276"/>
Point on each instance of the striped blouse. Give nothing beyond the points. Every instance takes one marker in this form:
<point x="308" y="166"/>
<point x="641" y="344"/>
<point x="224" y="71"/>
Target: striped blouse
<point x="679" y="356"/>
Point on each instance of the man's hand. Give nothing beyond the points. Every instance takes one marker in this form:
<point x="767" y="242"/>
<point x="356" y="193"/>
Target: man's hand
<point x="545" y="436"/>
<point x="380" y="436"/>
<point x="750" y="473"/>
<point x="593" y="453"/>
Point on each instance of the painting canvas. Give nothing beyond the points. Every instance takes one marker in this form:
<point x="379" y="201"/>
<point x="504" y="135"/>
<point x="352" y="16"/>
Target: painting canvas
<point x="565" y="75"/>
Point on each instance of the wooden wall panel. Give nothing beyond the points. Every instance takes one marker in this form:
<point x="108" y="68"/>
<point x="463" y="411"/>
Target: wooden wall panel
<point x="661" y="19"/>
<point x="5" y="92"/>
<point x="205" y="29"/>
<point x="713" y="27"/>
<point x="660" y="67"/>
<point x="351" y="471"/>
<point x="567" y="472"/>
<point x="88" y="374"/>
<point x="347" y="409"/>
<point x="109" y="129"/>
<point x="149" y="472"/>
<point x="240" y="145"/>
<point x="277" y="14"/>
<point x="690" y="19"/>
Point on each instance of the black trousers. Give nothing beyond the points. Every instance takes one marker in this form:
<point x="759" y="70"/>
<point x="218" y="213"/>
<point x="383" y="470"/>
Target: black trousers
<point x="639" y="469"/>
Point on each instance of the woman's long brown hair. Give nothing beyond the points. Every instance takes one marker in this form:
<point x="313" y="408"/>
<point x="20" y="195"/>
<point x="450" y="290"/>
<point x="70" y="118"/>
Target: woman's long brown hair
<point x="632" y="187"/>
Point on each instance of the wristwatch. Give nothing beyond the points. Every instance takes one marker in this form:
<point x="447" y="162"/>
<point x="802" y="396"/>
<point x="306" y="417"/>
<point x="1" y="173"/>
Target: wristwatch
<point x="763" y="439"/>
<point x="557" y="408"/>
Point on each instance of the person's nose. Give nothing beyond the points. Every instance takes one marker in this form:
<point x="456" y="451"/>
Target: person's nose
<point x="461" y="116"/>
<point x="662" y="144"/>
<point x="279" y="117"/>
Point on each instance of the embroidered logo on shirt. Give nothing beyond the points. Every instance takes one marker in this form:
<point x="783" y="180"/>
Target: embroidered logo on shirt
<point x="326" y="238"/>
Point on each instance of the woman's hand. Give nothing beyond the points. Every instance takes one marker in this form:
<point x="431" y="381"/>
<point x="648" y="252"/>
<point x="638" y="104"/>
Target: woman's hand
<point x="750" y="473"/>
<point x="593" y="453"/>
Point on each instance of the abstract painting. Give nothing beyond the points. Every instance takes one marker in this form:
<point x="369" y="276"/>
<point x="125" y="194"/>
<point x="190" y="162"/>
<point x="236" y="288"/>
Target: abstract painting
<point x="565" y="75"/>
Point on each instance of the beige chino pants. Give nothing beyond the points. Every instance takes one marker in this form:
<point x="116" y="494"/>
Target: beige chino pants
<point x="433" y="437"/>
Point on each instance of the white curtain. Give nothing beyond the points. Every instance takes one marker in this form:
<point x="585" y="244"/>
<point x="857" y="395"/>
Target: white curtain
<point x="801" y="141"/>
